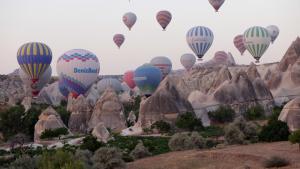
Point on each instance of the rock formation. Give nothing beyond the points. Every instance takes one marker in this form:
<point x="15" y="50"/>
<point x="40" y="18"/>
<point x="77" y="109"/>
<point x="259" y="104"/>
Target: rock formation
<point x="51" y="95"/>
<point x="108" y="110"/>
<point x="291" y="114"/>
<point x="101" y="133"/>
<point x="26" y="103"/>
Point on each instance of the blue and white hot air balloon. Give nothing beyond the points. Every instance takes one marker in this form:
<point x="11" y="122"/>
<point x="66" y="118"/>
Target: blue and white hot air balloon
<point x="200" y="38"/>
<point x="78" y="69"/>
<point x="147" y="79"/>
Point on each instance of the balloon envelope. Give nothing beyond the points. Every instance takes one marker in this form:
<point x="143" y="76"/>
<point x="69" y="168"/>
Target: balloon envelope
<point x="273" y="32"/>
<point x="43" y="80"/>
<point x="129" y="19"/>
<point x="105" y="83"/>
<point x="163" y="63"/>
<point x="199" y="38"/>
<point x="238" y="42"/>
<point x="34" y="58"/>
<point x="221" y="57"/>
<point x="119" y="39"/>
<point x="257" y="41"/>
<point x="63" y="89"/>
<point x="78" y="70"/>
<point x="216" y="4"/>
<point x="188" y="60"/>
<point x="147" y="78"/>
<point x="128" y="79"/>
<point x="164" y="18"/>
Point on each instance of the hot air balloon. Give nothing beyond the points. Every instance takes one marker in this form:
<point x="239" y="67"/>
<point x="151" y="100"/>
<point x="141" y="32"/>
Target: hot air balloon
<point x="273" y="32"/>
<point x="34" y="58"/>
<point x="119" y="39"/>
<point x="128" y="79"/>
<point x="200" y="39"/>
<point x="188" y="60"/>
<point x="221" y="57"/>
<point x="164" y="18"/>
<point x="238" y="42"/>
<point x="63" y="89"/>
<point x="43" y="80"/>
<point x="216" y="4"/>
<point x="78" y="70"/>
<point x="129" y="19"/>
<point x="257" y="41"/>
<point x="163" y="63"/>
<point x="105" y="83"/>
<point x="147" y="78"/>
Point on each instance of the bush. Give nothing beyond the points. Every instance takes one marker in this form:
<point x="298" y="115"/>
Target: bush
<point x="85" y="157"/>
<point x="251" y="132"/>
<point x="188" y="121"/>
<point x="181" y="141"/>
<point x="49" y="133"/>
<point x="295" y="138"/>
<point x="64" y="114"/>
<point x="233" y="135"/>
<point x="9" y="119"/>
<point x="90" y="143"/>
<point x="140" y="151"/>
<point x="198" y="140"/>
<point x="108" y="158"/>
<point x="24" y="162"/>
<point x="212" y="131"/>
<point x="275" y="130"/>
<point x="161" y="126"/>
<point x="276" y="161"/>
<point x="255" y="113"/>
<point x="222" y="115"/>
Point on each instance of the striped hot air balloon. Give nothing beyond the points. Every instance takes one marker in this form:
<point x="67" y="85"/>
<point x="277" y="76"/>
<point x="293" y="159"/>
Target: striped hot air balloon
<point x="128" y="79"/>
<point x="238" y="42"/>
<point x="163" y="63"/>
<point x="129" y="19"/>
<point x="273" y="31"/>
<point x="257" y="41"/>
<point x="119" y="39"/>
<point x="200" y="38"/>
<point x="188" y="60"/>
<point x="164" y="18"/>
<point x="216" y="4"/>
<point x="78" y="69"/>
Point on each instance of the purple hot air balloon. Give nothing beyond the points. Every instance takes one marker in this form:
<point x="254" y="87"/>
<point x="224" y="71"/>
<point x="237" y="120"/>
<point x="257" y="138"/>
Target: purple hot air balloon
<point x="216" y="4"/>
<point x="238" y="42"/>
<point x="129" y="19"/>
<point x="164" y="18"/>
<point x="119" y="39"/>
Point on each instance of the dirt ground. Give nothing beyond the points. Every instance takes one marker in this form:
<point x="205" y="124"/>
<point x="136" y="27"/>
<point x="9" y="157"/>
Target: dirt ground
<point x="230" y="157"/>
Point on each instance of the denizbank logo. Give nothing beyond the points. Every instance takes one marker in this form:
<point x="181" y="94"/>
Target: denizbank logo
<point x="85" y="70"/>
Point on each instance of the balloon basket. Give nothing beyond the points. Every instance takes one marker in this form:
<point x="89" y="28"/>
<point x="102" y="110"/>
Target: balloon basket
<point x="257" y="61"/>
<point x="200" y="59"/>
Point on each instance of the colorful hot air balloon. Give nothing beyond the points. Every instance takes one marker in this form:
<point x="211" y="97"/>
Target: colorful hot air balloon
<point x="78" y="70"/>
<point x="220" y="57"/>
<point x="63" y="89"/>
<point x="129" y="19"/>
<point x="216" y="4"/>
<point x="257" y="41"/>
<point x="163" y="63"/>
<point x="199" y="39"/>
<point x="147" y="78"/>
<point x="188" y="60"/>
<point x="128" y="79"/>
<point x="273" y="32"/>
<point x="34" y="58"/>
<point x="238" y="42"/>
<point x="119" y="39"/>
<point x="164" y="18"/>
<point x="43" y="80"/>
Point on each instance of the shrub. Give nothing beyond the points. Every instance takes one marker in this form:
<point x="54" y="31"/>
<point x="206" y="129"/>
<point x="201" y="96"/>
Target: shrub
<point x="85" y="157"/>
<point x="198" y="140"/>
<point x="251" y="132"/>
<point x="255" y="113"/>
<point x="295" y="138"/>
<point x="212" y="131"/>
<point x="275" y="130"/>
<point x="9" y="119"/>
<point x="161" y="126"/>
<point x="233" y="135"/>
<point x="276" y="161"/>
<point x="24" y="162"/>
<point x="49" y="133"/>
<point x="181" y="141"/>
<point x="108" y="158"/>
<point x="140" y="151"/>
<point x="90" y="143"/>
<point x="188" y="121"/>
<point x="222" y="115"/>
<point x="64" y="114"/>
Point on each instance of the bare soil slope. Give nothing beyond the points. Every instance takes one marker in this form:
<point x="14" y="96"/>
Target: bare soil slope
<point x="231" y="157"/>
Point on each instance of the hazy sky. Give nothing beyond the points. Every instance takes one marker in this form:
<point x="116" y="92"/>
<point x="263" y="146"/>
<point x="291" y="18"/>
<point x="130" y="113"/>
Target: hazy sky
<point x="91" y="24"/>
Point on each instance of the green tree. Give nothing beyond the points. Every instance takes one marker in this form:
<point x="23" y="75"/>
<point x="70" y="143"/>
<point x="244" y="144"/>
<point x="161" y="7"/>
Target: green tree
<point x="222" y="115"/>
<point x="255" y="113"/>
<point x="108" y="158"/>
<point x="188" y="121"/>
<point x="90" y="143"/>
<point x="295" y="138"/>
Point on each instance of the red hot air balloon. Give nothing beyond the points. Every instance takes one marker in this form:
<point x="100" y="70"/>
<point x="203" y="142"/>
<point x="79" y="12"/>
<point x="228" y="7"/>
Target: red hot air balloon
<point x="164" y="18"/>
<point x="128" y="79"/>
<point x="119" y="39"/>
<point x="216" y="4"/>
<point x="238" y="42"/>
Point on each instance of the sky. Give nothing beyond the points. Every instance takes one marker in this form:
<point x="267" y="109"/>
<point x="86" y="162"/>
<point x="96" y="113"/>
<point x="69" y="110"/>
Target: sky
<point x="90" y="24"/>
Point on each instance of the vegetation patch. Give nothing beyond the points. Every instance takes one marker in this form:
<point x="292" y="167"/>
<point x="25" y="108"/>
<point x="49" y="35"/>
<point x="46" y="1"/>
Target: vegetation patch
<point x="223" y="114"/>
<point x="52" y="133"/>
<point x="276" y="161"/>
<point x="255" y="113"/>
<point x="188" y="121"/>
